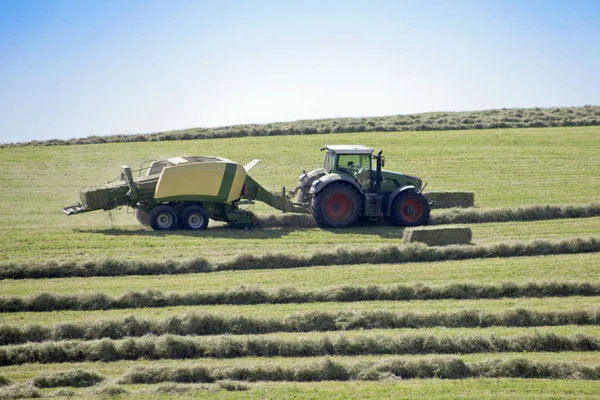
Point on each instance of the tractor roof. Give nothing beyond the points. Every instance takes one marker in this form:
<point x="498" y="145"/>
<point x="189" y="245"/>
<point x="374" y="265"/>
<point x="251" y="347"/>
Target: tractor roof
<point x="349" y="149"/>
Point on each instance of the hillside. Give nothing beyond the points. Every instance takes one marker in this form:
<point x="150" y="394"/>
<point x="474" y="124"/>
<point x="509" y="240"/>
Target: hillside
<point x="433" y="121"/>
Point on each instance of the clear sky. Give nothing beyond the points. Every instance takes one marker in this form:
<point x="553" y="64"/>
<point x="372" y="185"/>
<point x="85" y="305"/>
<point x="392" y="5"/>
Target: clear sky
<point x="74" y="68"/>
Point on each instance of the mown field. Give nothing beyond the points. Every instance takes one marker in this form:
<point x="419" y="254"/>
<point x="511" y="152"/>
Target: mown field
<point x="361" y="319"/>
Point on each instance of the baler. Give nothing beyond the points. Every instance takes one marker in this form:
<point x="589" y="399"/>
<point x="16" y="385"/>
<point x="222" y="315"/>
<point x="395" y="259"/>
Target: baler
<point x="184" y="192"/>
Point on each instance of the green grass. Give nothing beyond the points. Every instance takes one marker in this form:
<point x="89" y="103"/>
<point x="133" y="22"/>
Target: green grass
<point x="491" y="389"/>
<point x="504" y="167"/>
<point x="484" y="388"/>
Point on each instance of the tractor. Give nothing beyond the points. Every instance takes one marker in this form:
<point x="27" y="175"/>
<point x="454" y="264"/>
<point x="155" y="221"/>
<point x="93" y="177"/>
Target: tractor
<point x="185" y="192"/>
<point x="352" y="185"/>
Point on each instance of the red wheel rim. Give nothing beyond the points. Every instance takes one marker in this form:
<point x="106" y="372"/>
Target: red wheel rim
<point x="338" y="207"/>
<point x="411" y="210"/>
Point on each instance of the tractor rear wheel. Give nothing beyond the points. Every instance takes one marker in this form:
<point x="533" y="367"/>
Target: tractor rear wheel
<point x="336" y="206"/>
<point x="163" y="218"/>
<point x="410" y="209"/>
<point x="194" y="218"/>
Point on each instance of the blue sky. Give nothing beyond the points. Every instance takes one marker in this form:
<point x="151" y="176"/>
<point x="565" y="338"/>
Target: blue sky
<point x="82" y="67"/>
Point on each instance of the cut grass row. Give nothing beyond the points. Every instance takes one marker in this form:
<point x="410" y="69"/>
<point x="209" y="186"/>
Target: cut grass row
<point x="459" y="215"/>
<point x="383" y="255"/>
<point x="179" y="347"/>
<point x="330" y="370"/>
<point x="25" y="372"/>
<point x="216" y="324"/>
<point x="521" y="270"/>
<point x="49" y="301"/>
<point x="444" y="368"/>
<point x="50" y="319"/>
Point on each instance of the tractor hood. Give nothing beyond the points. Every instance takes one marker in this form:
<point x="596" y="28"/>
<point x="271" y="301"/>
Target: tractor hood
<point x="400" y="179"/>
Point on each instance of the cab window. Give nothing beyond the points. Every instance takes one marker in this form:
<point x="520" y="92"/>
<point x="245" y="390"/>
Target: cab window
<point x="328" y="166"/>
<point x="357" y="165"/>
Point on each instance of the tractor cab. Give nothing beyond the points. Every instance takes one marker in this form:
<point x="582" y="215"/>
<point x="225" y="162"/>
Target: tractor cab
<point x="353" y="185"/>
<point x="355" y="161"/>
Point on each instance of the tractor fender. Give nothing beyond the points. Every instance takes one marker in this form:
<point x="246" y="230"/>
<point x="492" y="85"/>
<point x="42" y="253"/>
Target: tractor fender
<point x="328" y="179"/>
<point x="393" y="195"/>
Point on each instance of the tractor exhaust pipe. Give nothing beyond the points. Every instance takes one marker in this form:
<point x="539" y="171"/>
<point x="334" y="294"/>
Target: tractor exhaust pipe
<point x="378" y="176"/>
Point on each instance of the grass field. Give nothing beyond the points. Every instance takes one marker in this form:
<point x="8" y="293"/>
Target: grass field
<point x="504" y="167"/>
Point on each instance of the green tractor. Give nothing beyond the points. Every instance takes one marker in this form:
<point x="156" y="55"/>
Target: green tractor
<point x="352" y="185"/>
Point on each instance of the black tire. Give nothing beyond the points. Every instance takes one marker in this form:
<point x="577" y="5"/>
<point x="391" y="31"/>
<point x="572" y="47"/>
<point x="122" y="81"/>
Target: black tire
<point x="410" y="209"/>
<point x="337" y="206"/>
<point x="142" y="217"/>
<point x="163" y="218"/>
<point x="194" y="218"/>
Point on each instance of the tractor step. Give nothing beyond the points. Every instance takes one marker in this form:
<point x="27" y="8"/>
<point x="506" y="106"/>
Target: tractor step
<point x="75" y="209"/>
<point x="373" y="206"/>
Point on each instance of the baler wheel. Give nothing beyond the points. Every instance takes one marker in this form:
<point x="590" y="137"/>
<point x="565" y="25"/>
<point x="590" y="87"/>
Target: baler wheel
<point x="194" y="218"/>
<point x="163" y="218"/>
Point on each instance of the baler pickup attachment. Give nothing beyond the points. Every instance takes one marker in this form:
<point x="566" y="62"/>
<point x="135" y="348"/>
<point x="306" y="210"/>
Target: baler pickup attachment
<point x="75" y="209"/>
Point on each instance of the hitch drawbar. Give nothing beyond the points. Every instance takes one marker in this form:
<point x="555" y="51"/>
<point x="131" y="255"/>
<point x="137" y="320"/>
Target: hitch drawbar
<point x="75" y="209"/>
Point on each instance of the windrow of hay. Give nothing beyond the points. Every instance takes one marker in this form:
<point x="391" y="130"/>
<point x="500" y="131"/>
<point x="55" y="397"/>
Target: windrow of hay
<point x="199" y="324"/>
<point x="73" y="378"/>
<point x="456" y="215"/>
<point x="49" y="301"/>
<point x="284" y="221"/>
<point x="487" y="119"/>
<point x="451" y="199"/>
<point x="438" y="236"/>
<point x="227" y="346"/>
<point x="329" y="370"/>
<point x="382" y="255"/>
<point x="388" y="369"/>
<point x="441" y="367"/>
<point x="525" y="213"/>
<point x="20" y="391"/>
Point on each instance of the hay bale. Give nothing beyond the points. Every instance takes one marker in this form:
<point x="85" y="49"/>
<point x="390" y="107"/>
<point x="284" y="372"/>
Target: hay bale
<point x="438" y="236"/>
<point x="451" y="199"/>
<point x="114" y="194"/>
<point x="104" y="196"/>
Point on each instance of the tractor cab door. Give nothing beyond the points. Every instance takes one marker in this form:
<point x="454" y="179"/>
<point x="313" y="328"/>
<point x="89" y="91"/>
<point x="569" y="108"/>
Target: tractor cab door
<point x="358" y="166"/>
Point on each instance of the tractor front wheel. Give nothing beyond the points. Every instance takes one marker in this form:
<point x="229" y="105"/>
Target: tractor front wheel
<point x="163" y="218"/>
<point x="410" y="209"/>
<point x="336" y="206"/>
<point x="194" y="218"/>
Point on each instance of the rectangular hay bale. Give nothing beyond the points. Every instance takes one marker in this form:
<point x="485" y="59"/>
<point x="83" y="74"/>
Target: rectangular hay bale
<point x="114" y="194"/>
<point x="451" y="199"/>
<point x="438" y="236"/>
<point x="103" y="196"/>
